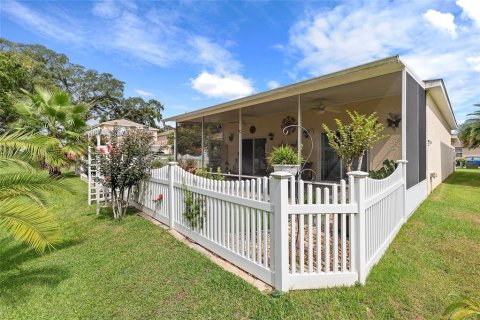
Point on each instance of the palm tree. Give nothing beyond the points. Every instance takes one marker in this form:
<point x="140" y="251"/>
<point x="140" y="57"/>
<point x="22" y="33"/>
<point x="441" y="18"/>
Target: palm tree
<point x="22" y="205"/>
<point x="469" y="132"/>
<point x="464" y="308"/>
<point x="53" y="114"/>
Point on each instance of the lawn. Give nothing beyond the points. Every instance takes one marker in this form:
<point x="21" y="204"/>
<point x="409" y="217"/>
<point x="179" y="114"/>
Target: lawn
<point x="133" y="269"/>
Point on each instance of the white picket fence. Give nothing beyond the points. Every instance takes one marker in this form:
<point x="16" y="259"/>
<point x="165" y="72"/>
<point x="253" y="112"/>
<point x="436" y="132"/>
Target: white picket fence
<point x="289" y="234"/>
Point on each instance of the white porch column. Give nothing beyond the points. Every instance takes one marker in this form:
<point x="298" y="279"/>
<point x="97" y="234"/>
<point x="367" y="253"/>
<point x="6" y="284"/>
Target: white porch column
<point x="203" y="142"/>
<point x="175" y="142"/>
<point x="98" y="140"/>
<point x="299" y="130"/>
<point x="404" y="114"/>
<point x="240" y="137"/>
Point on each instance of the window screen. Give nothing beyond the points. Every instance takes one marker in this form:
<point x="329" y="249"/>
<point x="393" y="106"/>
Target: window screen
<point x="415" y="132"/>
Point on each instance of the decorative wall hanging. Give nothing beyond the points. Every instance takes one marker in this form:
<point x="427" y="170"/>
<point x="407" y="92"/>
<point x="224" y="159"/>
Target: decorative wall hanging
<point x="306" y="133"/>
<point x="290" y="123"/>
<point x="270" y="136"/>
<point x="394" y="120"/>
<point x="253" y="129"/>
<point x="230" y="137"/>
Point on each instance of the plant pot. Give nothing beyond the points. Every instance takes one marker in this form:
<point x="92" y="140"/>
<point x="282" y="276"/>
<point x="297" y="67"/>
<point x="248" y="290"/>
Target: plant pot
<point x="290" y="168"/>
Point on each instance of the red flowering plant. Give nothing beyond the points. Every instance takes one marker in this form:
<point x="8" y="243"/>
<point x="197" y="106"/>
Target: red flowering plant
<point x="126" y="162"/>
<point x="158" y="198"/>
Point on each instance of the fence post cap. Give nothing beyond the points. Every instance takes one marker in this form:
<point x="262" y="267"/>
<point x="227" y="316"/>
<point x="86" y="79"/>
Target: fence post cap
<point x="280" y="175"/>
<point x="172" y="163"/>
<point x="358" y="174"/>
<point x="401" y="161"/>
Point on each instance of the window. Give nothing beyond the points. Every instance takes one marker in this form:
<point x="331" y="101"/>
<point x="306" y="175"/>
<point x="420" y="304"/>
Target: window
<point x="458" y="152"/>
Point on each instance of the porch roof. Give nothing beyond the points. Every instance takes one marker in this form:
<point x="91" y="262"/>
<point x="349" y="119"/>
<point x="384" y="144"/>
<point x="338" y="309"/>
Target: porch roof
<point x="361" y="72"/>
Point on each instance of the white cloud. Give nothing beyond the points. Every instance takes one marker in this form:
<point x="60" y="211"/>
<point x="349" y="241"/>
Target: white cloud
<point x="441" y="21"/>
<point x="327" y="40"/>
<point x="474" y="62"/>
<point x="331" y="39"/>
<point x="143" y="93"/>
<point x="471" y="9"/>
<point x="272" y="84"/>
<point x="231" y="86"/>
<point x="42" y="23"/>
<point x="214" y="55"/>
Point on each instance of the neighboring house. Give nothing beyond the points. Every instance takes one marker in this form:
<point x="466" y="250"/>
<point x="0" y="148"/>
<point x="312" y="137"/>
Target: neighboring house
<point x="102" y="131"/>
<point x="461" y="151"/>
<point x="416" y="113"/>
<point x="162" y="141"/>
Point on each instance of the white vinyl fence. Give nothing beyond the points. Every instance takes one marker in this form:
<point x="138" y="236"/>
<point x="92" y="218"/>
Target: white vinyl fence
<point x="290" y="234"/>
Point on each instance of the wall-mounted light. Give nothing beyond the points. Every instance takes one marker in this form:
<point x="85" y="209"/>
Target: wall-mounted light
<point x="270" y="136"/>
<point x="230" y="137"/>
<point x="429" y="142"/>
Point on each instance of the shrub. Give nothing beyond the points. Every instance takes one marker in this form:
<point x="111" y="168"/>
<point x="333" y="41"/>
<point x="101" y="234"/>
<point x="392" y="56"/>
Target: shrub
<point x="283" y="155"/>
<point x="194" y="209"/>
<point x="158" y="163"/>
<point x="387" y="169"/>
<point x="125" y="163"/>
<point x="208" y="174"/>
<point x="350" y="141"/>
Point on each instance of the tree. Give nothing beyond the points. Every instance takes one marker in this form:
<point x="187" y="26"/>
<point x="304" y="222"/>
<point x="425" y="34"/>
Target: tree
<point x="138" y="110"/>
<point x="464" y="308"/>
<point x="125" y="163"/>
<point x="14" y="74"/>
<point x="469" y="132"/>
<point x="22" y="205"/>
<point x="53" y="114"/>
<point x="350" y="141"/>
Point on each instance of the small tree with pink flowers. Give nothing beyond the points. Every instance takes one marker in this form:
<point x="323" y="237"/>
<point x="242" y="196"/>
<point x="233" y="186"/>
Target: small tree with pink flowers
<point x="124" y="163"/>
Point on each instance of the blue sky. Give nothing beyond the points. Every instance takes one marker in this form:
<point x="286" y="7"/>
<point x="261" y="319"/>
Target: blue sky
<point x="190" y="54"/>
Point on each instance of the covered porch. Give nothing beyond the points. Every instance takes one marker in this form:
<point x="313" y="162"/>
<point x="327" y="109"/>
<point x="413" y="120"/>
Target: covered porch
<point x="237" y="137"/>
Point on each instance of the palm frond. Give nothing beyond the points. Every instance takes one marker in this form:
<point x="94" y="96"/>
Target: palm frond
<point x="31" y="184"/>
<point x="31" y="224"/>
<point x="35" y="147"/>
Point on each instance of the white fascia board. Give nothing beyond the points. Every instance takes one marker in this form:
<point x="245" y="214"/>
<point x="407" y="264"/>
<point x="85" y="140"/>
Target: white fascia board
<point x="437" y="91"/>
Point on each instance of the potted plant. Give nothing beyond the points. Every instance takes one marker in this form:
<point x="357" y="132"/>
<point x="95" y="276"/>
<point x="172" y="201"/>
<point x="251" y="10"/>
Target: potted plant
<point x="284" y="158"/>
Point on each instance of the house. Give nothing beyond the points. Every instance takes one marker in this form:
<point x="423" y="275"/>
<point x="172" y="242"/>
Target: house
<point x="417" y="115"/>
<point x="461" y="151"/>
<point x="103" y="129"/>
<point x="162" y="141"/>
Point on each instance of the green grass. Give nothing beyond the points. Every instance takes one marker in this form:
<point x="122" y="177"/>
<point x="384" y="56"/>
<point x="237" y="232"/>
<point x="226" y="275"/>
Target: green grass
<point x="133" y="269"/>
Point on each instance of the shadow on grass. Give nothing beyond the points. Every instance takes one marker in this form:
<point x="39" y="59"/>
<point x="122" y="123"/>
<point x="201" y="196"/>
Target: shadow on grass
<point x="106" y="213"/>
<point x="13" y="254"/>
<point x="17" y="282"/>
<point x="465" y="177"/>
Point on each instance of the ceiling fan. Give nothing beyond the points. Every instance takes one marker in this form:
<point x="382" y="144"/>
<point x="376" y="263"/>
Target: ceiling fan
<point x="320" y="107"/>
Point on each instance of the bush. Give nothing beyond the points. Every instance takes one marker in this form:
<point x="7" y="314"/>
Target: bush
<point x="204" y="173"/>
<point x="387" y="169"/>
<point x="125" y="163"/>
<point x="158" y="163"/>
<point x="283" y="155"/>
<point x="460" y="162"/>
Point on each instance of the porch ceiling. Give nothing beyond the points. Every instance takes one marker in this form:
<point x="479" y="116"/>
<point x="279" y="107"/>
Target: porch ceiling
<point x="364" y="90"/>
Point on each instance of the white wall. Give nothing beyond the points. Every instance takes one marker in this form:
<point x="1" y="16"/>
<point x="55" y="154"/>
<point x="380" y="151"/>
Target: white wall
<point x="440" y="152"/>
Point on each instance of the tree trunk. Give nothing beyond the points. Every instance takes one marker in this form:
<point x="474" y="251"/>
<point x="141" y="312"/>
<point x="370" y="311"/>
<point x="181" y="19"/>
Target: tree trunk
<point x="349" y="166"/>
<point x="360" y="160"/>
<point x="54" y="172"/>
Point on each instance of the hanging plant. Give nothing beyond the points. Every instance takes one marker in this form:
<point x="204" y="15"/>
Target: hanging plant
<point x="288" y="121"/>
<point x="194" y="209"/>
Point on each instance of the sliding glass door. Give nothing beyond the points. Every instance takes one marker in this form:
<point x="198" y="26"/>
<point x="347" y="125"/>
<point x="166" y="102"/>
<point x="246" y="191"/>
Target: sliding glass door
<point x="253" y="157"/>
<point x="331" y="166"/>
